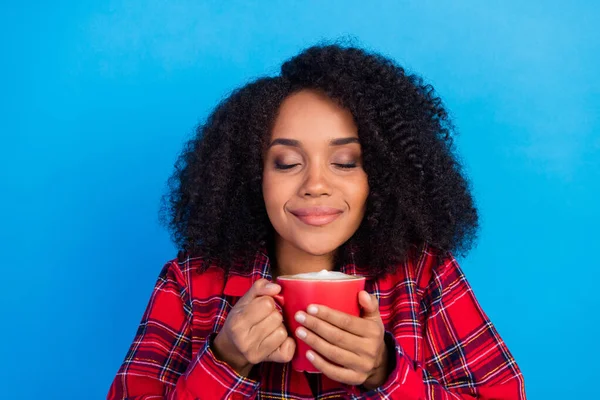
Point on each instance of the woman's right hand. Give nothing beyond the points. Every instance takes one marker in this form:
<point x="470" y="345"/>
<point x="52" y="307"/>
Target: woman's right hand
<point x="253" y="331"/>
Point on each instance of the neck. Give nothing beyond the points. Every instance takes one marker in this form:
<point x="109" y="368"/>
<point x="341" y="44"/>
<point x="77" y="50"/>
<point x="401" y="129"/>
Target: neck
<point x="290" y="260"/>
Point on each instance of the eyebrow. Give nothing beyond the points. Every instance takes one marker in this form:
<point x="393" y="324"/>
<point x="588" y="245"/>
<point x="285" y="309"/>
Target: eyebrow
<point x="296" y="143"/>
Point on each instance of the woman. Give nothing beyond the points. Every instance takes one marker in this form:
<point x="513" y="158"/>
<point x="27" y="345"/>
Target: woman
<point x="343" y="162"/>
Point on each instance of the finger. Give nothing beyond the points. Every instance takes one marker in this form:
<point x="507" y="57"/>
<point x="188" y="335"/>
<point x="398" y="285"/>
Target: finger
<point x="284" y="353"/>
<point x="257" y="332"/>
<point x="331" y="352"/>
<point x="271" y="341"/>
<point x="346" y="322"/>
<point x="369" y="305"/>
<point x="331" y="333"/>
<point x="335" y="372"/>
<point x="259" y="309"/>
<point x="261" y="287"/>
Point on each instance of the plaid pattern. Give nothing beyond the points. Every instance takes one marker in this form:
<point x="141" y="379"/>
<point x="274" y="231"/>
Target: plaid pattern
<point x="446" y="347"/>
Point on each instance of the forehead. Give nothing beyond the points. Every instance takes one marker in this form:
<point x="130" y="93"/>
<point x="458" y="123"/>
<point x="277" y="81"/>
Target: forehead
<point x="311" y="115"/>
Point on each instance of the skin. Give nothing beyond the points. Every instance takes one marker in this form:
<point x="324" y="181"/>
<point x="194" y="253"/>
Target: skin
<point x="313" y="159"/>
<point x="318" y="173"/>
<point x="253" y="331"/>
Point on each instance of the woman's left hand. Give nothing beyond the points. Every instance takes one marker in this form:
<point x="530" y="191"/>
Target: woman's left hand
<point x="355" y="344"/>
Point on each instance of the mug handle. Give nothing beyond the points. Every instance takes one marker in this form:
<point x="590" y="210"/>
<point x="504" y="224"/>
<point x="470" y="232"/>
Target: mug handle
<point x="279" y="299"/>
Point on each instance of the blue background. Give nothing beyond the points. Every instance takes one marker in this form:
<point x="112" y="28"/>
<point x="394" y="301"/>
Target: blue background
<point x="96" y="99"/>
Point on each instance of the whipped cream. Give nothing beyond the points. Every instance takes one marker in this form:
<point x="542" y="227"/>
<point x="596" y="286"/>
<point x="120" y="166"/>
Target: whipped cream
<point x="322" y="275"/>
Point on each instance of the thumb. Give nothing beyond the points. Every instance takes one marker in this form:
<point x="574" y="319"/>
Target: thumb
<point x="369" y="304"/>
<point x="261" y="287"/>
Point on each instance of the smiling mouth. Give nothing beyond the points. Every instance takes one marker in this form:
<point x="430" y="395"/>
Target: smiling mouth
<point x="317" y="217"/>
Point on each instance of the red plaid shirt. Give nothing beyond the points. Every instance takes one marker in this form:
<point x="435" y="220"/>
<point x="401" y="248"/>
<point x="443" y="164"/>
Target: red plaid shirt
<point x="445" y="345"/>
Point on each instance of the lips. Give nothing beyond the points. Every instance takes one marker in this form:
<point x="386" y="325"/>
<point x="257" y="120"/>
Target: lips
<point x="317" y="216"/>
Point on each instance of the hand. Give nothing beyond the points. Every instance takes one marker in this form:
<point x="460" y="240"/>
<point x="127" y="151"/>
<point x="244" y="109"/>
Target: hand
<point x="253" y="331"/>
<point x="355" y="344"/>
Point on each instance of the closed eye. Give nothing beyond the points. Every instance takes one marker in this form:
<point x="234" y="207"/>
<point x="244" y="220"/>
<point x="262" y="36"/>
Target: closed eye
<point x="351" y="165"/>
<point x="285" y="166"/>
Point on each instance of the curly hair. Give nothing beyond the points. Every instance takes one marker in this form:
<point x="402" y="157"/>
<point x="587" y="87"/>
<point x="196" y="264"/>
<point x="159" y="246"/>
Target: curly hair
<point x="418" y="193"/>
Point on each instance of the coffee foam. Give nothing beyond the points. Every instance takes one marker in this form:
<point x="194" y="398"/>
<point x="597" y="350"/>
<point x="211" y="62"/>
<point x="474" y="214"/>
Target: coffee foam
<point x="323" y="275"/>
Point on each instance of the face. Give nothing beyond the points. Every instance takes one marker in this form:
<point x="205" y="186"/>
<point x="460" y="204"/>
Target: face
<point x="314" y="185"/>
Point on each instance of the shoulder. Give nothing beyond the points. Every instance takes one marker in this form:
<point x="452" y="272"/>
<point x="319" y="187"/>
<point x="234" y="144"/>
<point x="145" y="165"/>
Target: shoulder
<point x="205" y="277"/>
<point x="194" y="276"/>
<point x="422" y="264"/>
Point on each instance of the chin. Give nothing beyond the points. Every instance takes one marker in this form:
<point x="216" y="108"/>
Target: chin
<point x="318" y="248"/>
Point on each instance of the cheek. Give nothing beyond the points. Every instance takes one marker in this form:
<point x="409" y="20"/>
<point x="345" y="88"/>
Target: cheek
<point x="267" y="190"/>
<point x="358" y="192"/>
<point x="274" y="192"/>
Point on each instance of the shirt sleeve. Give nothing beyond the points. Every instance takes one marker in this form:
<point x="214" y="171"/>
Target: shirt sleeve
<point x="464" y="357"/>
<point x="160" y="364"/>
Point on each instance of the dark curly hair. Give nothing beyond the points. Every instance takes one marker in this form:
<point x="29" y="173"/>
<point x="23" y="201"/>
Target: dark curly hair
<point x="418" y="194"/>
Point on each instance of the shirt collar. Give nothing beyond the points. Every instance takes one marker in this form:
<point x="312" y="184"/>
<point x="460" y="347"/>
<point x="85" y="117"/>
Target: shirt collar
<point x="239" y="283"/>
<point x="351" y="268"/>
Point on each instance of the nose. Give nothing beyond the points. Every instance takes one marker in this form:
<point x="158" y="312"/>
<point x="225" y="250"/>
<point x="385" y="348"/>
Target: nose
<point x="316" y="182"/>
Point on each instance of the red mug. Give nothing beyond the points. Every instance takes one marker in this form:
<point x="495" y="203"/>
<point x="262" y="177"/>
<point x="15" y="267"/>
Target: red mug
<point x="298" y="293"/>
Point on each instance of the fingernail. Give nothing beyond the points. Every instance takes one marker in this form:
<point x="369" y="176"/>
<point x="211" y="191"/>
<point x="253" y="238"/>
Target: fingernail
<point x="312" y="310"/>
<point x="300" y="317"/>
<point x="270" y="286"/>
<point x="301" y="333"/>
<point x="310" y="356"/>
